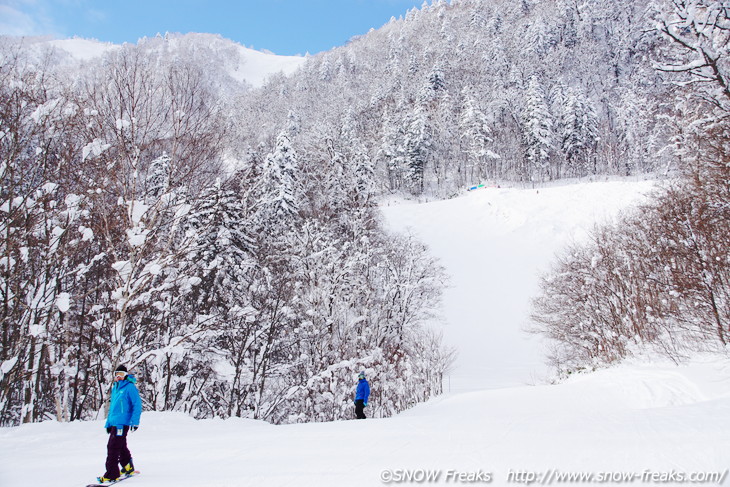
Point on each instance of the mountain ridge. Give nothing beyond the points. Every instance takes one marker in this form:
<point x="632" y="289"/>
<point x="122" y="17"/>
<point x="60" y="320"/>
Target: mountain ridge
<point x="244" y="64"/>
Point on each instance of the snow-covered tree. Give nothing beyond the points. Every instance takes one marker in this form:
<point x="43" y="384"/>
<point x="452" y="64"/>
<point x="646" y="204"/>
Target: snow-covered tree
<point x="476" y="139"/>
<point x="390" y="153"/>
<point x="579" y="134"/>
<point x="280" y="181"/>
<point x="698" y="32"/>
<point x="417" y="142"/>
<point x="538" y="122"/>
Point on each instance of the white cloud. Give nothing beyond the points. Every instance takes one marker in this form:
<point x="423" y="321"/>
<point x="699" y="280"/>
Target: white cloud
<point x="25" y="18"/>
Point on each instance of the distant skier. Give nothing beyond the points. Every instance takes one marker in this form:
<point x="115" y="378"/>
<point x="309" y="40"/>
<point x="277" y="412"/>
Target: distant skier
<point x="125" y="410"/>
<point x="361" y="395"/>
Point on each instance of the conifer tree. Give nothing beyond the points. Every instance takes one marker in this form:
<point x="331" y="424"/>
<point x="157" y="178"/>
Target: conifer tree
<point x="280" y="180"/>
<point x="476" y="140"/>
<point x="538" y="124"/>
<point x="579" y="134"/>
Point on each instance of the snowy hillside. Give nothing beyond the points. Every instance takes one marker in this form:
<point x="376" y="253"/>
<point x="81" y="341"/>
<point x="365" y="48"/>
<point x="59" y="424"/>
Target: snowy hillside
<point x="642" y="422"/>
<point x="83" y="49"/>
<point x="494" y="243"/>
<point x="241" y="63"/>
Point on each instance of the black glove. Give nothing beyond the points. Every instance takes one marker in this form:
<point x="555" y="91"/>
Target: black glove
<point x="109" y="430"/>
<point x="134" y="428"/>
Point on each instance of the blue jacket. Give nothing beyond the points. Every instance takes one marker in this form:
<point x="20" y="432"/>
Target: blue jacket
<point x="125" y="407"/>
<point x="363" y="390"/>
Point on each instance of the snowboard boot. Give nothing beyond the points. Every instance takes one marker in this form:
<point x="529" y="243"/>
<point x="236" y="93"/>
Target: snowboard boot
<point x="105" y="480"/>
<point x="128" y="469"/>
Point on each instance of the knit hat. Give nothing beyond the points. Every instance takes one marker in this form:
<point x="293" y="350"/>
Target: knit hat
<point x="361" y="375"/>
<point x="120" y="368"/>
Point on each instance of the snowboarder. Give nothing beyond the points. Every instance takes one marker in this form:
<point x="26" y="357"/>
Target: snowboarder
<point x="125" y="409"/>
<point x="361" y="395"/>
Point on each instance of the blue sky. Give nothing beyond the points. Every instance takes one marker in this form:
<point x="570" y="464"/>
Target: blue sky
<point x="281" y="26"/>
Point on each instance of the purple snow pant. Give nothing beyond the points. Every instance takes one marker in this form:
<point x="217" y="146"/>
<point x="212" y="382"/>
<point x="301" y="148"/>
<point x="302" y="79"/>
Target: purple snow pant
<point x="117" y="452"/>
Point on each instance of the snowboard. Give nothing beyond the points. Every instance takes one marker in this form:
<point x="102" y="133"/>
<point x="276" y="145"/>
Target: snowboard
<point x="123" y="477"/>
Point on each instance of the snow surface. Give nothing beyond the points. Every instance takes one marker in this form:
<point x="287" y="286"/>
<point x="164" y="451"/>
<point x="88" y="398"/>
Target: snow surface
<point x="84" y="49"/>
<point x="639" y="418"/>
<point x="256" y="66"/>
<point x="495" y="242"/>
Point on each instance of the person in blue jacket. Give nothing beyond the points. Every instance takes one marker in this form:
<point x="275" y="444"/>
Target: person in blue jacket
<point x="361" y="395"/>
<point x="125" y="409"/>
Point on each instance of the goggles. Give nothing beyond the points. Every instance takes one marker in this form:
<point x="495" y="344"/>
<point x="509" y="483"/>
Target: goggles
<point x="120" y="374"/>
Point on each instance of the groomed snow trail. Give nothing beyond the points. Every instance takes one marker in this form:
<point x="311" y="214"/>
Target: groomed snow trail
<point x="494" y="243"/>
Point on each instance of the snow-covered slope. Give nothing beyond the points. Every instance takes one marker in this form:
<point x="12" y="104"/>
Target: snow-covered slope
<point x="494" y="243"/>
<point x="255" y="66"/>
<point x="83" y="49"/>
<point x="629" y="421"/>
<point x="652" y="421"/>
<point x="241" y="63"/>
